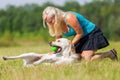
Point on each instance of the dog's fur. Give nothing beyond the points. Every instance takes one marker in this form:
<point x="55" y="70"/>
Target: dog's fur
<point x="65" y="54"/>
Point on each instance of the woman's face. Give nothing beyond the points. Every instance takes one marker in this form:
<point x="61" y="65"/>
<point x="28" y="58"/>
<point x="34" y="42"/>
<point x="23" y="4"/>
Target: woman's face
<point x="50" y="20"/>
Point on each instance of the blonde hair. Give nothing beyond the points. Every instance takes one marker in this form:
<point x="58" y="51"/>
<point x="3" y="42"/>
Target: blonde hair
<point x="56" y="29"/>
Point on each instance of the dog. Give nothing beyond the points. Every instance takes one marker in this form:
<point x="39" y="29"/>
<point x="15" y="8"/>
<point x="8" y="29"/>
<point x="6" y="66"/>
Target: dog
<point x="65" y="54"/>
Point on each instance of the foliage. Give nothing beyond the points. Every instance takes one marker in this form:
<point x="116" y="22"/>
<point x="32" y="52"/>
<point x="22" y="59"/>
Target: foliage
<point x="21" y="22"/>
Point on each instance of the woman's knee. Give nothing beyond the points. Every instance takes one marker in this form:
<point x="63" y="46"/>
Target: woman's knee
<point x="87" y="55"/>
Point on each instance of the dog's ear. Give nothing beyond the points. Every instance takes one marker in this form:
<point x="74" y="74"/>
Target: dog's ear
<point x="72" y="48"/>
<point x="69" y="50"/>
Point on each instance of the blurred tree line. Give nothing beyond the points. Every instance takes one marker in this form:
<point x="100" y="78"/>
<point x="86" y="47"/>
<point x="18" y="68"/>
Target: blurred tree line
<point x="25" y="22"/>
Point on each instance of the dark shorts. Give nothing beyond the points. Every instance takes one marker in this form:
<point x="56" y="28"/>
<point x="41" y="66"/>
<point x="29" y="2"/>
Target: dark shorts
<point x="93" y="41"/>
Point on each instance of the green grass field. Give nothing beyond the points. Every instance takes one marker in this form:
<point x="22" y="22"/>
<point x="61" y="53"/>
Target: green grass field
<point x="97" y="70"/>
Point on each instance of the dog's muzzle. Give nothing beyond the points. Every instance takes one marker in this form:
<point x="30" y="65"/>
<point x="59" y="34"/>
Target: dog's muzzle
<point x="59" y="49"/>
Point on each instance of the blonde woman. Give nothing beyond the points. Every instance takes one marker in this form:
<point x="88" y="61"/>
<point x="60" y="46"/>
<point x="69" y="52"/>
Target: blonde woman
<point x="88" y="38"/>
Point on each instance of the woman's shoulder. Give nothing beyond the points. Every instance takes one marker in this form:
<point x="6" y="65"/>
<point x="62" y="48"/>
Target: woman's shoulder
<point x="69" y="16"/>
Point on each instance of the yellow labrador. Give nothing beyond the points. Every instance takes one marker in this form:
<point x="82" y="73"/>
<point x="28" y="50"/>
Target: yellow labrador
<point x="65" y="54"/>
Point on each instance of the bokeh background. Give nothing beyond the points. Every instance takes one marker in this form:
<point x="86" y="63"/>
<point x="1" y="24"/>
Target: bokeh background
<point x="21" y="21"/>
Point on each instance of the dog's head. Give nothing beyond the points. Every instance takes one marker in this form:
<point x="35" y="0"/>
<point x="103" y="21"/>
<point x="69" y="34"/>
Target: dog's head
<point x="64" y="46"/>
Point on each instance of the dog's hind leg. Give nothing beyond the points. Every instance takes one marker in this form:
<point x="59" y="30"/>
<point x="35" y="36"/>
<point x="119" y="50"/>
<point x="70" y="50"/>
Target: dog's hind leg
<point x="39" y="61"/>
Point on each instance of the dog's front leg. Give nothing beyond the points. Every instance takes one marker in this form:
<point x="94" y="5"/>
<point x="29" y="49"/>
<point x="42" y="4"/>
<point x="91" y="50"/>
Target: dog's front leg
<point x="11" y="58"/>
<point x="22" y="56"/>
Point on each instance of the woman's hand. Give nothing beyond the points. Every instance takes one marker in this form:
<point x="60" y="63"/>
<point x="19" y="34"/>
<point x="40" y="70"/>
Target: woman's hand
<point x="58" y="36"/>
<point x="76" y="38"/>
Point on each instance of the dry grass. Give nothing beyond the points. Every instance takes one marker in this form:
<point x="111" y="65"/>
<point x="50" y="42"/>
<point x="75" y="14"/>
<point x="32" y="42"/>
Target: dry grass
<point x="96" y="70"/>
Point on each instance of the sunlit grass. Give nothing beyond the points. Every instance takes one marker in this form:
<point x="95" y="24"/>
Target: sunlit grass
<point x="96" y="70"/>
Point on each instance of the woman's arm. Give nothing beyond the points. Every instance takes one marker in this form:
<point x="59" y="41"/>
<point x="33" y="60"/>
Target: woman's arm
<point x="73" y="22"/>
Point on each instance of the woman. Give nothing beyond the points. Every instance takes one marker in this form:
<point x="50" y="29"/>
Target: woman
<point x="87" y="36"/>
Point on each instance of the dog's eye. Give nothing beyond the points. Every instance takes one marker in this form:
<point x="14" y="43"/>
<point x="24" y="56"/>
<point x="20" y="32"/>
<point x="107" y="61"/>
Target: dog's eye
<point x="58" y="41"/>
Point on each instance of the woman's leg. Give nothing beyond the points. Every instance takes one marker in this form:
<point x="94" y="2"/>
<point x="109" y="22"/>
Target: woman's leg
<point x="89" y="55"/>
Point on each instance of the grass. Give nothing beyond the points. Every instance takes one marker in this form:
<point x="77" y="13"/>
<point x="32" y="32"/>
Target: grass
<point x="97" y="70"/>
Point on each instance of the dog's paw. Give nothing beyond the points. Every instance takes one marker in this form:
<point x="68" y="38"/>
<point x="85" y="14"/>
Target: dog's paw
<point x="4" y="58"/>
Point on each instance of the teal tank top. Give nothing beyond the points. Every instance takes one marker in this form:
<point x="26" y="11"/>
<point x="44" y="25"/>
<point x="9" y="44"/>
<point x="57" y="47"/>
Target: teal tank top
<point x="87" y="26"/>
